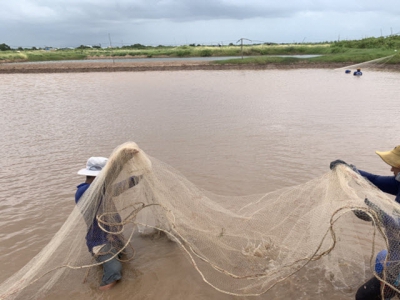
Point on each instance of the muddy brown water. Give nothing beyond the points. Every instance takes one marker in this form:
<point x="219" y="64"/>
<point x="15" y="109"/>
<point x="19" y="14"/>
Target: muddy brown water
<point x="230" y="132"/>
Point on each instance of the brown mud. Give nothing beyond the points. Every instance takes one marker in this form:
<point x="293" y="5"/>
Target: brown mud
<point x="84" y="67"/>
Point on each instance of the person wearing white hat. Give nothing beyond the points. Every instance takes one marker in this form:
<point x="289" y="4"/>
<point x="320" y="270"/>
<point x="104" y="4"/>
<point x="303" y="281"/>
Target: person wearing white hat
<point x="391" y="185"/>
<point x="100" y="244"/>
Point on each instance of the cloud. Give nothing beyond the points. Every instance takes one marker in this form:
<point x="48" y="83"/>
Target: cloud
<point x="66" y="22"/>
<point x="177" y="10"/>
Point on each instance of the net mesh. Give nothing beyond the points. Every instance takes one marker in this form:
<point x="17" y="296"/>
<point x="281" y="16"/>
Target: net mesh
<point x="240" y="245"/>
<point x="387" y="62"/>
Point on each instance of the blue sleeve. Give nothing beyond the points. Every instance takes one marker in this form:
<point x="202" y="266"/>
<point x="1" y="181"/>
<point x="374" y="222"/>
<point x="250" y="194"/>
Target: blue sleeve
<point x="80" y="191"/>
<point x="387" y="184"/>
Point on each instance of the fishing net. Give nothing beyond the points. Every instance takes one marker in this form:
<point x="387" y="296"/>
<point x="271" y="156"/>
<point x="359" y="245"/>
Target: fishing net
<point x="239" y="245"/>
<point x="387" y="62"/>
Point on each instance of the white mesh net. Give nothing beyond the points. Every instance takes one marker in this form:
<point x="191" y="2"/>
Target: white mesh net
<point x="239" y="245"/>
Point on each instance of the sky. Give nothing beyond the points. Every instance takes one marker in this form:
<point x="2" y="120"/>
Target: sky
<point x="71" y="23"/>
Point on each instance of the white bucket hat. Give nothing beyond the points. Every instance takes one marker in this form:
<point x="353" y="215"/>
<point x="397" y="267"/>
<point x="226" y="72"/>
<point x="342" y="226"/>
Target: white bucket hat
<point x="93" y="166"/>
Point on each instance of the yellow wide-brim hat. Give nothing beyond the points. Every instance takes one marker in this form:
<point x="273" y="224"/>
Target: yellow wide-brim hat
<point x="392" y="157"/>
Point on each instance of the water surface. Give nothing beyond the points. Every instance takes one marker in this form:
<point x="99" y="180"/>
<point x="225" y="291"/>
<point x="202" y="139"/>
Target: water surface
<point x="157" y="59"/>
<point x="230" y="132"/>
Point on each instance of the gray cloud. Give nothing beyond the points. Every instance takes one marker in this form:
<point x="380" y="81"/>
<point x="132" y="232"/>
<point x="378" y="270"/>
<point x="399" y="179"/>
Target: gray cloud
<point x="75" y="22"/>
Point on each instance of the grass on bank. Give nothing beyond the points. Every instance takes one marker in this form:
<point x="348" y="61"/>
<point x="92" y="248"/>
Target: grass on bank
<point x="39" y="55"/>
<point x="356" y="51"/>
<point x="182" y="51"/>
<point x="350" y="56"/>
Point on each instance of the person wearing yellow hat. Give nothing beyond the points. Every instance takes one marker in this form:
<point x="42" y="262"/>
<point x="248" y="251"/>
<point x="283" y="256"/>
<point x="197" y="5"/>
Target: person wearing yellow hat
<point x="392" y="158"/>
<point x="387" y="184"/>
<point x="391" y="185"/>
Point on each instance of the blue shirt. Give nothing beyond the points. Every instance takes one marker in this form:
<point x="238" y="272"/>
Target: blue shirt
<point x="95" y="235"/>
<point x="387" y="184"/>
<point x="81" y="189"/>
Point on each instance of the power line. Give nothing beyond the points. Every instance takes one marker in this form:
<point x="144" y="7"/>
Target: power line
<point x="241" y="44"/>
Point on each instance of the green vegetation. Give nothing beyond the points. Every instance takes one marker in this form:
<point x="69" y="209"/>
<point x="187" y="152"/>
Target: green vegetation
<point x="355" y="51"/>
<point x="390" y="42"/>
<point x="260" y="60"/>
<point x="4" y="47"/>
<point x="40" y="55"/>
<point x="45" y="56"/>
<point x="350" y="56"/>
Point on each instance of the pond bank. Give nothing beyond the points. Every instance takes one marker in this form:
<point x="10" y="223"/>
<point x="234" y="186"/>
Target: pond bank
<point x="84" y="67"/>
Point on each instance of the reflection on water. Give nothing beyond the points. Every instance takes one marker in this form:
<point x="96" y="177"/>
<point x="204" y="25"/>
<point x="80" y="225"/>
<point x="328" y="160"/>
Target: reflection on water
<point x="231" y="132"/>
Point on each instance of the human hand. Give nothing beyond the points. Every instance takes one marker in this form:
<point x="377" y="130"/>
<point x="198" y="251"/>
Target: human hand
<point x="334" y="163"/>
<point x="130" y="151"/>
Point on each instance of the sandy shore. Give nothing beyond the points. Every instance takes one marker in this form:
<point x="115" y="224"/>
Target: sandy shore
<point x="68" y="67"/>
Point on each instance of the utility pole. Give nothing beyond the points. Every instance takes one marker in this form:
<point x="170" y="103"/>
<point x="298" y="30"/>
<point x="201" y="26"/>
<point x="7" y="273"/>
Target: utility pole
<point x="109" y="38"/>
<point x="241" y="44"/>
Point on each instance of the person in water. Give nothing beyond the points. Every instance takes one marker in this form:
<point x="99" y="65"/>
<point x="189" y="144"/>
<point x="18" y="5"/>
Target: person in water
<point x="101" y="244"/>
<point x="357" y="73"/>
<point x="391" y="185"/>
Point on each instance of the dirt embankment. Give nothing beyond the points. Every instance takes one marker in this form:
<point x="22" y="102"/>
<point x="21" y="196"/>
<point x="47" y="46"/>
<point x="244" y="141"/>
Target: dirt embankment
<point x="88" y="66"/>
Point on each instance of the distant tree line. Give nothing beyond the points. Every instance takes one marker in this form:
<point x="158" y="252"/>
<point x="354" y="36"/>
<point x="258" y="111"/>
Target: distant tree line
<point x="388" y="42"/>
<point x="4" y="47"/>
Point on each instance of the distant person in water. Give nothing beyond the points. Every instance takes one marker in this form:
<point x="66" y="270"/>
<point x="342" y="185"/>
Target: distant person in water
<point x="101" y="244"/>
<point x="357" y="73"/>
<point x="391" y="185"/>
